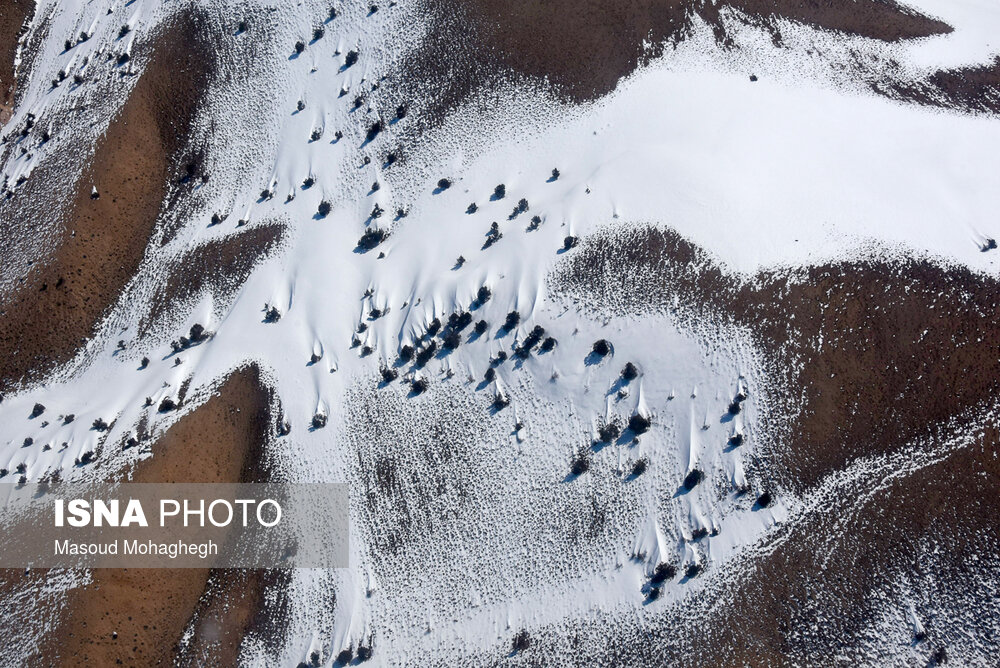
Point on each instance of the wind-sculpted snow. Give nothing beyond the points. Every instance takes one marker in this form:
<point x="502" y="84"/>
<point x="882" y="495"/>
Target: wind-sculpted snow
<point x="593" y="330"/>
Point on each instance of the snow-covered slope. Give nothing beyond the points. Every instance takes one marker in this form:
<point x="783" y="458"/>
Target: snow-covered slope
<point x="485" y="499"/>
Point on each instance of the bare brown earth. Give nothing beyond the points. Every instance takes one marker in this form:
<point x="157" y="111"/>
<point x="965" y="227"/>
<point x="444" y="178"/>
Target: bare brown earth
<point x="220" y="266"/>
<point x="13" y="19"/>
<point x="870" y="354"/>
<point x="969" y="88"/>
<point x="582" y="49"/>
<point x="101" y="242"/>
<point x="222" y="441"/>
<point x="864" y="358"/>
<point x="929" y="537"/>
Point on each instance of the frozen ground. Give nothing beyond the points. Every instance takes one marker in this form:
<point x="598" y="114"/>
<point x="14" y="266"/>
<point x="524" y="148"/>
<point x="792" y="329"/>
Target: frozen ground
<point x="468" y="528"/>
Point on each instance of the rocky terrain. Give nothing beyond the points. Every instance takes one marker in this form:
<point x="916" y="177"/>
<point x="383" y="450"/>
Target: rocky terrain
<point x="643" y="333"/>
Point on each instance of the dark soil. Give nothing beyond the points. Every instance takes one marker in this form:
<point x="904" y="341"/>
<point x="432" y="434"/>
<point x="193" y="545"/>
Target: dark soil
<point x="101" y="243"/>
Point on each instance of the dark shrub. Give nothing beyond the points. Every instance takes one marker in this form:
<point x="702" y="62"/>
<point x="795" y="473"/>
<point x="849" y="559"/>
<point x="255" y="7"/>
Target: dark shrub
<point x="512" y="321"/>
<point x="653" y="594"/>
<point x="692" y="479"/>
<point x="266" y="194"/>
<point x="693" y="570"/>
<point x="315" y="358"/>
<point x="663" y="572"/>
<point x="373" y="131"/>
<point x="316" y="135"/>
<point x="536" y="334"/>
<point x="630" y="372"/>
<point x="69" y="418"/>
<point x="483" y="295"/>
<point x="198" y="333"/>
<point x="167" y="405"/>
<point x="345" y="656"/>
<point x="493" y="236"/>
<point x="764" y="500"/>
<point x="350" y="58"/>
<point x="535" y="222"/>
<point x="324" y="209"/>
<point x="419" y="386"/>
<point x="27" y="442"/>
<point x="640" y="467"/>
<point x="124" y="30"/>
<point x="472" y="208"/>
<point x="434" y="327"/>
<point x="99" y="425"/>
<point x="300" y="46"/>
<point x="389" y="375"/>
<point x="366" y="351"/>
<point x="377" y="211"/>
<point x="522" y="641"/>
<point x="734" y="408"/>
<point x="522" y="206"/>
<point x="401" y="111"/>
<point x="988" y="245"/>
<point x="364" y="653"/>
<point x="124" y="58"/>
<point x="609" y="432"/>
<point x="371" y="238"/>
<point x="548" y="344"/>
<point x="406" y="353"/>
<point x="580" y="465"/>
<point x="736" y="439"/>
<point x="37" y="410"/>
<point x="570" y="242"/>
<point x="272" y="314"/>
<point x="242" y="26"/>
<point x="444" y="184"/>
<point x="500" y="191"/>
<point x="452" y="339"/>
<point x="460" y="321"/>
<point x="555" y="174"/>
<point x="490" y="375"/>
<point x="460" y="261"/>
<point x="601" y="347"/>
<point x="87" y="457"/>
<point x="500" y="401"/>
<point x="284" y="428"/>
<point x="699" y="533"/>
<point x="501" y="357"/>
<point x="318" y="421"/>
<point x="425" y="355"/>
<point x="481" y="327"/>
<point x="639" y="423"/>
<point x="318" y="34"/>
